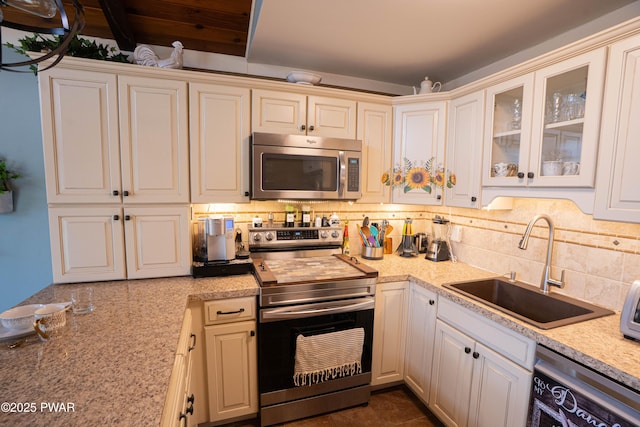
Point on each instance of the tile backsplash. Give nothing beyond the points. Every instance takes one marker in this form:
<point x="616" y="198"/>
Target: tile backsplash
<point x="600" y="258"/>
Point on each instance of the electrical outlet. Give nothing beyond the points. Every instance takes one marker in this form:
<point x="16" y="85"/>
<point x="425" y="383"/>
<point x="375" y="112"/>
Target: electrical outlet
<point x="456" y="233"/>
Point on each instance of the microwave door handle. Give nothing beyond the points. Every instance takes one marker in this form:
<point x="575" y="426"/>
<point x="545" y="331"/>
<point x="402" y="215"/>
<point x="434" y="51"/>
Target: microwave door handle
<point x="342" y="166"/>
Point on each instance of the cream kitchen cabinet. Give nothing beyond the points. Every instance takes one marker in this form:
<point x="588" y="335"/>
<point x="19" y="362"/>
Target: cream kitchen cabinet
<point x="389" y="332"/>
<point x="180" y="401"/>
<point x="542" y="128"/>
<point x="617" y="190"/>
<point x="420" y="339"/>
<point x="419" y="137"/>
<point x="375" y="130"/>
<point x="232" y="366"/>
<point x="96" y="242"/>
<point x="220" y="130"/>
<point x="112" y="139"/>
<point x="464" y="150"/>
<point x="299" y="114"/>
<point x="482" y="372"/>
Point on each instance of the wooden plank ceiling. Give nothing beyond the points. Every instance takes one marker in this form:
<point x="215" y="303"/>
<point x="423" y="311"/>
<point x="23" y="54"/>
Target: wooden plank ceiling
<point x="219" y="26"/>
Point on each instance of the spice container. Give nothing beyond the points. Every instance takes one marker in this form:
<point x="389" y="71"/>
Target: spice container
<point x="306" y="216"/>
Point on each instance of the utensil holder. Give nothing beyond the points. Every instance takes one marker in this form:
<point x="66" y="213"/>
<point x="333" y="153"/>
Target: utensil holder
<point x="370" y="252"/>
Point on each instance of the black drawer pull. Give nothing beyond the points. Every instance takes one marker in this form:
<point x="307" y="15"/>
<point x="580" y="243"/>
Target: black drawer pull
<point x="191" y="399"/>
<point x="230" y="312"/>
<point x="193" y="342"/>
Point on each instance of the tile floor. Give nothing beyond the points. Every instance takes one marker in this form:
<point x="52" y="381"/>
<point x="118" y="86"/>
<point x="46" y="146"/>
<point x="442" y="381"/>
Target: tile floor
<point x="396" y="406"/>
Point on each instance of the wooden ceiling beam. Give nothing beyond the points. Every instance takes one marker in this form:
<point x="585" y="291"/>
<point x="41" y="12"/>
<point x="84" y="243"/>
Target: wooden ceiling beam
<point x="116" y="15"/>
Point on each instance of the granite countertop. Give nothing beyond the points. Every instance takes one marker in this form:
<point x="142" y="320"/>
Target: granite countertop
<point x="114" y="364"/>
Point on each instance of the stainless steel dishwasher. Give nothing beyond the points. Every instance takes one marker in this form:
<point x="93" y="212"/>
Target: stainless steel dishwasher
<point x="565" y="393"/>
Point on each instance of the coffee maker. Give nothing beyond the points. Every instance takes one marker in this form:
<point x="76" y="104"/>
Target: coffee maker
<point x="439" y="245"/>
<point x="215" y="239"/>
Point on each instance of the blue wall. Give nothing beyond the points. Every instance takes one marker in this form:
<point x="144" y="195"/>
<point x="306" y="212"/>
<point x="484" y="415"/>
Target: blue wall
<point x="25" y="255"/>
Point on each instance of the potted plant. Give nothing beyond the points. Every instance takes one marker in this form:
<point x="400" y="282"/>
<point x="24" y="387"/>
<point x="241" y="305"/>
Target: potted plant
<point x="6" y="193"/>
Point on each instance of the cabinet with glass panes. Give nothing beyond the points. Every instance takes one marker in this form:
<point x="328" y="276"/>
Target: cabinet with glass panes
<point x="542" y="128"/>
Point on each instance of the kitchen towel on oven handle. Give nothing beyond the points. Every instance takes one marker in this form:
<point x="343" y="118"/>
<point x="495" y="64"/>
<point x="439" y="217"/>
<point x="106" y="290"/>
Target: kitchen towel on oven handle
<point x="328" y="356"/>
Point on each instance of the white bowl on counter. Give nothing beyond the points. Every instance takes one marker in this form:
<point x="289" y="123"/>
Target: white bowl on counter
<point x="21" y="317"/>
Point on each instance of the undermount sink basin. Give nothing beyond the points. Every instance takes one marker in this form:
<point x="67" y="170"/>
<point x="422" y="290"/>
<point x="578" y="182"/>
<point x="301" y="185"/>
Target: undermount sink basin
<point x="528" y="303"/>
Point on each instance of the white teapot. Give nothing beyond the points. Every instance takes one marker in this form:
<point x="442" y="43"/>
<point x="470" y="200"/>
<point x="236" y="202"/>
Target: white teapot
<point x="427" y="86"/>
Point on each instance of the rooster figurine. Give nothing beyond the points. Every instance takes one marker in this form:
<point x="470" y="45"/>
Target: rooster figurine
<point x="143" y="55"/>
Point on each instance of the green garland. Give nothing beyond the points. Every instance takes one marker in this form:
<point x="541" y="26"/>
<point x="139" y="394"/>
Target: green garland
<point x="78" y="47"/>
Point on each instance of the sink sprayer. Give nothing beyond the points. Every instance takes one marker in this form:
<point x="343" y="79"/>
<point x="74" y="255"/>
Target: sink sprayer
<point x="546" y="273"/>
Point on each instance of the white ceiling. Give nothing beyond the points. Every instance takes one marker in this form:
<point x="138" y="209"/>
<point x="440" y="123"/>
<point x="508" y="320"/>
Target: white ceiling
<point x="402" y="41"/>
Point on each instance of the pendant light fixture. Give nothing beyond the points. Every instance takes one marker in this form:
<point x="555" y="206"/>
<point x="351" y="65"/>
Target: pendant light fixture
<point x="45" y="9"/>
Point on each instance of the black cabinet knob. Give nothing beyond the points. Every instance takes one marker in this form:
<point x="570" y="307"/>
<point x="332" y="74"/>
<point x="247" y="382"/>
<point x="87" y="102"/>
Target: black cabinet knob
<point x="252" y="333"/>
<point x="467" y="350"/>
<point x="520" y="175"/>
<point x="127" y="217"/>
<point x="189" y="410"/>
<point x="246" y="194"/>
<point x="476" y="355"/>
<point x="125" y="193"/>
<point x="311" y="128"/>
<point x="439" y="197"/>
<point x="116" y="192"/>
<point x="191" y="399"/>
<point x="116" y="217"/>
<point x="530" y="175"/>
<point x="431" y="302"/>
<point x="303" y="127"/>
<point x="474" y="199"/>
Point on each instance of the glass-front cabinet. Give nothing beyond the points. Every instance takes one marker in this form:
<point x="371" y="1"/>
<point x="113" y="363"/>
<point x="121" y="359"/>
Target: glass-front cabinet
<point x="542" y="128"/>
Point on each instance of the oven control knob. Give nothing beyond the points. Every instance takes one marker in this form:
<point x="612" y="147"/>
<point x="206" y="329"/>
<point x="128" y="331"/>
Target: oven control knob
<point x="335" y="234"/>
<point x="323" y="234"/>
<point x="269" y="237"/>
<point x="257" y="237"/>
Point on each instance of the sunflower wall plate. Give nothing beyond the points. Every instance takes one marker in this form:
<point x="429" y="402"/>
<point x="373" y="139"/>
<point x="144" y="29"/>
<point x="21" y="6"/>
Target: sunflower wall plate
<point x="418" y="175"/>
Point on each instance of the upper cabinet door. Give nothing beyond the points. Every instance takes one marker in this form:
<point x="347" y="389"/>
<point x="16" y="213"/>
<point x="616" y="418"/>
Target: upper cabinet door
<point x="617" y="189"/>
<point x="418" y="153"/>
<point x="331" y="117"/>
<point x="154" y="140"/>
<point x="220" y="133"/>
<point x="464" y="150"/>
<point x="279" y="112"/>
<point x="542" y="128"/>
<point x="507" y="132"/>
<point x="375" y="130"/>
<point x="566" y="117"/>
<point x="79" y="111"/>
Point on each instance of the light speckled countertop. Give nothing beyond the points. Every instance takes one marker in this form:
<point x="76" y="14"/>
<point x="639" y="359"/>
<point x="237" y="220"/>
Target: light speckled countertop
<point x="114" y="364"/>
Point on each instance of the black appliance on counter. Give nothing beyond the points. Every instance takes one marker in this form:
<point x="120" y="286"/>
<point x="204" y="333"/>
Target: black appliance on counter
<point x="310" y="294"/>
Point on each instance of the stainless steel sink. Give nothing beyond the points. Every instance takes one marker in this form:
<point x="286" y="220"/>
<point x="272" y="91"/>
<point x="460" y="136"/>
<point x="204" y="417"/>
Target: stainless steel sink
<point x="528" y="303"/>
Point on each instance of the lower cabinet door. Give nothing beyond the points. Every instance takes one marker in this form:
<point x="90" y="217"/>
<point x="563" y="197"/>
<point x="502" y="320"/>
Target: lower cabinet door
<point x="420" y="337"/>
<point x="452" y="370"/>
<point x="389" y="332"/>
<point x="500" y="390"/>
<point x="232" y="370"/>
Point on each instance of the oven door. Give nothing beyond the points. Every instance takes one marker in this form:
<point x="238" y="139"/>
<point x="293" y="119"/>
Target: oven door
<point x="278" y="331"/>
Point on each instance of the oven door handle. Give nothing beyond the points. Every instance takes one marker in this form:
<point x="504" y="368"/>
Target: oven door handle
<point x="304" y="311"/>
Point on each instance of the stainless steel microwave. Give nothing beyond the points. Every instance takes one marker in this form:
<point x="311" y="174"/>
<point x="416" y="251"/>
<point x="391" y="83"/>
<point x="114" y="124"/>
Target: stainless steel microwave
<point x="300" y="167"/>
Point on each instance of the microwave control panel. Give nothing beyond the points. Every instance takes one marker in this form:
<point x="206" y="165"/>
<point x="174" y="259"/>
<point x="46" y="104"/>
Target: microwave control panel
<point x="353" y="174"/>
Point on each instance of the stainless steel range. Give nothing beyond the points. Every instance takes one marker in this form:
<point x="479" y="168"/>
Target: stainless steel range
<point x="315" y="328"/>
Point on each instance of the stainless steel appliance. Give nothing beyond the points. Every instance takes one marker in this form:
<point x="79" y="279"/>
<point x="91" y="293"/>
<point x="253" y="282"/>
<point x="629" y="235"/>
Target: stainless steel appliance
<point x="215" y="239"/>
<point x="630" y="316"/>
<point x="305" y="167"/>
<point x="438" y="248"/>
<point x="421" y="241"/>
<point x="310" y="294"/>
<point x="565" y="393"/>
